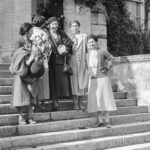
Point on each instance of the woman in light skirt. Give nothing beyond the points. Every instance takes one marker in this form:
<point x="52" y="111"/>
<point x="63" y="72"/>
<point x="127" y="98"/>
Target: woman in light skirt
<point x="100" y="97"/>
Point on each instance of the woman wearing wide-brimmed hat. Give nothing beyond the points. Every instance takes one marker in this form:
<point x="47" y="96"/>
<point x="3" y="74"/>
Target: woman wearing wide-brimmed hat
<point x="61" y="46"/>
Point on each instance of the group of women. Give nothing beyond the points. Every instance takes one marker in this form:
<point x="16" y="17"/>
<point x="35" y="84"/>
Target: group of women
<point x="48" y="64"/>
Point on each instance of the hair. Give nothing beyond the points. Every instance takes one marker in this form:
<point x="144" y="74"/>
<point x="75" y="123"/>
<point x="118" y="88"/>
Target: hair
<point x="74" y="21"/>
<point x="25" y="28"/>
<point x="94" y="37"/>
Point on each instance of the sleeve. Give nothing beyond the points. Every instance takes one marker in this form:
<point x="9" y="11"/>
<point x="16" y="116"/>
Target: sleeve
<point x="18" y="65"/>
<point x="19" y="43"/>
<point x="109" y="58"/>
<point x="66" y="41"/>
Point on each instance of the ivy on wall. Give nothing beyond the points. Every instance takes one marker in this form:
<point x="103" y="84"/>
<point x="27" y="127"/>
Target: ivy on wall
<point x="123" y="35"/>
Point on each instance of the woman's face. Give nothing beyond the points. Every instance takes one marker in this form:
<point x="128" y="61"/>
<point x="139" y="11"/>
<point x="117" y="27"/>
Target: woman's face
<point x="54" y="26"/>
<point x="75" y="28"/>
<point x="92" y="44"/>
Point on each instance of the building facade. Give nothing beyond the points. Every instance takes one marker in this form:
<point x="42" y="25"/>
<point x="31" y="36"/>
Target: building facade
<point x="14" y="12"/>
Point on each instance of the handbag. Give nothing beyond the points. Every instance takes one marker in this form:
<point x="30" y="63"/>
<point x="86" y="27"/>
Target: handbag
<point x="67" y="68"/>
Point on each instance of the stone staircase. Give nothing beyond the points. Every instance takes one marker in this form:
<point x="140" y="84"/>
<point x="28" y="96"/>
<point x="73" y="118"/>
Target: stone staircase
<point x="62" y="130"/>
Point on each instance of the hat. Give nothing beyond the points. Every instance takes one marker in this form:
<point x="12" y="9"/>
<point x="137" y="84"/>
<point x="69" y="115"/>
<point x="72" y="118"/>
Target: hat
<point x="38" y="20"/>
<point x="25" y="28"/>
<point x="51" y="19"/>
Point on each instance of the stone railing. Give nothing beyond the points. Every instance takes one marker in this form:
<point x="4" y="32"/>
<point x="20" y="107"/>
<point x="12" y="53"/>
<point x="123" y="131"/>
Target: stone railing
<point x="132" y="74"/>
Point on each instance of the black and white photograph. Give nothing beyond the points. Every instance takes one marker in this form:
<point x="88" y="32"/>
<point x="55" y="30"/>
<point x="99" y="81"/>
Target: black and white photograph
<point x="74" y="74"/>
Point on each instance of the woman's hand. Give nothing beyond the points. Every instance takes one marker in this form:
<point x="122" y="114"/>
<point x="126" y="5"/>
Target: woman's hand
<point x="30" y="59"/>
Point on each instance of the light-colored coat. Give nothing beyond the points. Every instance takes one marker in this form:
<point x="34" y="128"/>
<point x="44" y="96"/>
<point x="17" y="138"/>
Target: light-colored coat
<point x="23" y="94"/>
<point x="79" y="79"/>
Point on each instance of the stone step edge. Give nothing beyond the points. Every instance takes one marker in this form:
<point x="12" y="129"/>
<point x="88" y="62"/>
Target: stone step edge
<point x="77" y="141"/>
<point x="143" y="146"/>
<point x="69" y="101"/>
<point x="60" y="115"/>
<point x="107" y="142"/>
<point x="36" y="117"/>
<point x="65" y="125"/>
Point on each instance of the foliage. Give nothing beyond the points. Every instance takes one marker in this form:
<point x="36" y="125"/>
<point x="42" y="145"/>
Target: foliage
<point x="124" y="36"/>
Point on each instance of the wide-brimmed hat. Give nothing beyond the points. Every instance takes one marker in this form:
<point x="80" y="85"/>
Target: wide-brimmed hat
<point x="51" y="19"/>
<point x="38" y="20"/>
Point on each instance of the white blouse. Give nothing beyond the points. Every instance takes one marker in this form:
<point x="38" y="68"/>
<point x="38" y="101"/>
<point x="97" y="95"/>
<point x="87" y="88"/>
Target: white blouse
<point x="93" y="60"/>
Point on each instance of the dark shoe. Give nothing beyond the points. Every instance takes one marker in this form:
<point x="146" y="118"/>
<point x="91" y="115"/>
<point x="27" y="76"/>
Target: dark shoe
<point x="55" y="105"/>
<point x="99" y="125"/>
<point x="75" y="103"/>
<point x="22" y="120"/>
<point x="30" y="121"/>
<point x="108" y="125"/>
<point x="80" y="102"/>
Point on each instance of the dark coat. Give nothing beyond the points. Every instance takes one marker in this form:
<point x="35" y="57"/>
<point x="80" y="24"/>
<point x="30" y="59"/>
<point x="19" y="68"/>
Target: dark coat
<point x="59" y="81"/>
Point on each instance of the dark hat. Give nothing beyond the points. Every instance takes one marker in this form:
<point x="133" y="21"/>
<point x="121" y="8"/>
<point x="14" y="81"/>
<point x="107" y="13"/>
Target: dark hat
<point x="36" y="69"/>
<point x="25" y="28"/>
<point x="51" y="19"/>
<point x="38" y="20"/>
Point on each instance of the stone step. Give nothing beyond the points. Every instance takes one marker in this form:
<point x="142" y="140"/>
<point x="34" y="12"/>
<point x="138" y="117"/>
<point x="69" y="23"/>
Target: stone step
<point x="12" y="119"/>
<point x="144" y="146"/>
<point x="4" y="66"/>
<point x="68" y="104"/>
<point x="5" y="90"/>
<point x="6" y="81"/>
<point x="54" y="126"/>
<point x="8" y="109"/>
<point x="87" y="139"/>
<point x="5" y="99"/>
<point x="5" y="74"/>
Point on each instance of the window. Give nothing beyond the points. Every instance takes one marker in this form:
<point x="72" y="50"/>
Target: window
<point x="134" y="8"/>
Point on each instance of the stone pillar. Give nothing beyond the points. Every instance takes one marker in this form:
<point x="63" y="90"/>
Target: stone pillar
<point x="12" y="14"/>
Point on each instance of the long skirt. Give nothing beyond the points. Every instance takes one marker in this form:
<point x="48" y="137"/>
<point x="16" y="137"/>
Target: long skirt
<point x="100" y="96"/>
<point x="60" y="86"/>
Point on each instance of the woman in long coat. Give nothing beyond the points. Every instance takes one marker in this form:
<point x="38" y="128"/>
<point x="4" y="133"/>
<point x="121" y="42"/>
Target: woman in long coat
<point x="79" y="79"/>
<point x="100" y="97"/>
<point x="59" y="81"/>
<point x="25" y="88"/>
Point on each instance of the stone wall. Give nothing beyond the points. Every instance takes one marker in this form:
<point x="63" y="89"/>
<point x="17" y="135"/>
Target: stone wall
<point x="12" y="14"/>
<point x="132" y="74"/>
<point x="91" y="21"/>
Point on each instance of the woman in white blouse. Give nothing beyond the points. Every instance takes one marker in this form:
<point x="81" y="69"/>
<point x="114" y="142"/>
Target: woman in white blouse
<point x="100" y="97"/>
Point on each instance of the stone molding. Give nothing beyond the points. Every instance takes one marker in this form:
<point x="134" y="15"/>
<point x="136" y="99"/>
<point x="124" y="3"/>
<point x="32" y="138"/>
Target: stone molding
<point x="134" y="58"/>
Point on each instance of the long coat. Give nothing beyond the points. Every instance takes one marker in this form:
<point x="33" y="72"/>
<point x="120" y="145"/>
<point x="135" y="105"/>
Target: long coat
<point x="79" y="79"/>
<point x="44" y="90"/>
<point x="24" y="94"/>
<point x="59" y="81"/>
